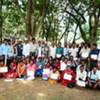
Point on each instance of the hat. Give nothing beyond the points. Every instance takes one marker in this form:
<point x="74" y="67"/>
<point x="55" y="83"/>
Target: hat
<point x="26" y="39"/>
<point x="20" y="39"/>
<point x="13" y="39"/>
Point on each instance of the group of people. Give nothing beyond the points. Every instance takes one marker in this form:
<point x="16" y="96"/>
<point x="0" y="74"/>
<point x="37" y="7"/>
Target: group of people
<point x="72" y="64"/>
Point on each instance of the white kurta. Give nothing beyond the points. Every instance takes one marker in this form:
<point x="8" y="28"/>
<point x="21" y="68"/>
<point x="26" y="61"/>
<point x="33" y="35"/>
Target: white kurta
<point x="26" y="49"/>
<point x="52" y="52"/>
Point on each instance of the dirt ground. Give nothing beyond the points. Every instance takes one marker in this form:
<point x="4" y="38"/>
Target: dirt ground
<point x="42" y="90"/>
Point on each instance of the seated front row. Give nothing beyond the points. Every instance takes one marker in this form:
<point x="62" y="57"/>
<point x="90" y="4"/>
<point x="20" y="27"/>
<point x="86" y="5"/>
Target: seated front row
<point x="52" y="74"/>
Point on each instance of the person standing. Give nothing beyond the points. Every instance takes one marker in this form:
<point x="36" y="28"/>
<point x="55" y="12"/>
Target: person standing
<point x="26" y="48"/>
<point x="52" y="50"/>
<point x="19" y="49"/>
<point x="59" y="51"/>
<point x="94" y="56"/>
<point x="33" y="48"/>
<point x="74" y="51"/>
<point x="5" y="50"/>
<point x="84" y="53"/>
<point x="39" y="49"/>
<point x="65" y="52"/>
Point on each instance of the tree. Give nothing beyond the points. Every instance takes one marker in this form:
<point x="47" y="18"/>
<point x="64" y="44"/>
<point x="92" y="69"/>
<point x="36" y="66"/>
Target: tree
<point x="34" y="15"/>
<point x="85" y="11"/>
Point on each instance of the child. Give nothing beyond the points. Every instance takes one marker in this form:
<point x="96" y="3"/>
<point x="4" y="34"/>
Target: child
<point x="56" y="74"/>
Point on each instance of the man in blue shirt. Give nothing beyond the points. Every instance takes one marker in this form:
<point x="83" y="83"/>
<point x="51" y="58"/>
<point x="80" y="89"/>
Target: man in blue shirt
<point x="93" y="56"/>
<point x="5" y="49"/>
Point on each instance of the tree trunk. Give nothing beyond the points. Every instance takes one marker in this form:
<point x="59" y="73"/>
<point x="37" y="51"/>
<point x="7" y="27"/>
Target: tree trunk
<point x="29" y="19"/>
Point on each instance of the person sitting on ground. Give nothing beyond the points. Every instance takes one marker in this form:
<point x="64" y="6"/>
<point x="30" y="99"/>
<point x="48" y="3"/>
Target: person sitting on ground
<point x="94" y="79"/>
<point x="81" y="75"/>
<point x="21" y="69"/>
<point x="62" y="59"/>
<point x="46" y="71"/>
<point x="72" y="63"/>
<point x="12" y="72"/>
<point x="2" y="75"/>
<point x="33" y="58"/>
<point x="82" y="64"/>
<point x="54" y="76"/>
<point x="68" y="76"/>
<point x="31" y="67"/>
<point x="39" y="68"/>
<point x="51" y="61"/>
<point x="63" y="65"/>
<point x="57" y="63"/>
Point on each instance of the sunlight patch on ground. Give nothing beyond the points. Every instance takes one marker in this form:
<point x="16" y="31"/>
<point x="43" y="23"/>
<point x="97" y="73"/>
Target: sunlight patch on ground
<point x="41" y="94"/>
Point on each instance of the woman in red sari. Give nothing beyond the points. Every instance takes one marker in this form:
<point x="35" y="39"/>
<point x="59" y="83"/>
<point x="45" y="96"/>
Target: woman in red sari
<point x="69" y="73"/>
<point x="12" y="72"/>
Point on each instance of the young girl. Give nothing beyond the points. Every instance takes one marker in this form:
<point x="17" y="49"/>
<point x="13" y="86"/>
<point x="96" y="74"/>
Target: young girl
<point x="56" y="74"/>
<point x="12" y="72"/>
<point x="21" y="69"/>
<point x="39" y="68"/>
<point x="46" y="72"/>
<point x="31" y="68"/>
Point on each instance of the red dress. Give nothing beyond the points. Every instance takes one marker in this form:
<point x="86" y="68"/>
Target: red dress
<point x="64" y="81"/>
<point x="57" y="65"/>
<point x="12" y="73"/>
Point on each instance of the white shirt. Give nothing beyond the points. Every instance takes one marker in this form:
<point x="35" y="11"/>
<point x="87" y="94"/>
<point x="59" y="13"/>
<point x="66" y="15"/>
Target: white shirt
<point x="93" y="76"/>
<point x="52" y="51"/>
<point x="85" y="52"/>
<point x="26" y="49"/>
<point x="63" y="66"/>
<point x="73" y="52"/>
<point x="99" y="57"/>
<point x="81" y="75"/>
<point x="39" y="51"/>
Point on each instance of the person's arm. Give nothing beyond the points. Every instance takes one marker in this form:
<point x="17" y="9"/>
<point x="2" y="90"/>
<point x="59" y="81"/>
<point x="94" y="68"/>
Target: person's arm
<point x="18" y="71"/>
<point x="95" y="86"/>
<point x="89" y="82"/>
<point x="77" y="76"/>
<point x="85" y="75"/>
<point x="23" y="71"/>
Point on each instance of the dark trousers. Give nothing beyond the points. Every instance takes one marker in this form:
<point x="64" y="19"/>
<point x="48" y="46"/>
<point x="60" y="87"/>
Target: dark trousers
<point x="93" y="64"/>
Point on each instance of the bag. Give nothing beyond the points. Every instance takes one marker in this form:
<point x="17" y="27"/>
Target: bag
<point x="71" y="85"/>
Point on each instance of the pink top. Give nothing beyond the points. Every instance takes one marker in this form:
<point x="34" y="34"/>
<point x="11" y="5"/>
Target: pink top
<point x="31" y="68"/>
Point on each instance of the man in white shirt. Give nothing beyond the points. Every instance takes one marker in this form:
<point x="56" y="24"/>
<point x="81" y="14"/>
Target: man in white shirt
<point x="26" y="48"/>
<point x="81" y="74"/>
<point x="52" y="51"/>
<point x="84" y="53"/>
<point x="33" y="48"/>
<point x="63" y="65"/>
<point x="73" y="51"/>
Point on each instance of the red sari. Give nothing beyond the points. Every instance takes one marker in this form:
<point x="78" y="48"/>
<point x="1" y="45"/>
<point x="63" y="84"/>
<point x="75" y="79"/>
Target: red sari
<point x="57" y="65"/>
<point x="65" y="82"/>
<point x="12" y="73"/>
